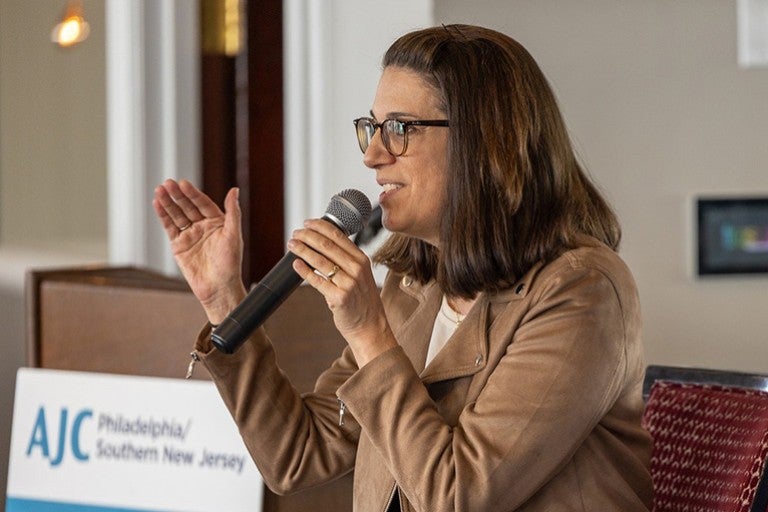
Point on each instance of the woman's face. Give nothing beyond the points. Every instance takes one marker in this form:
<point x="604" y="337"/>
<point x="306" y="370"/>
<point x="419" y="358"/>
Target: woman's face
<point x="413" y="184"/>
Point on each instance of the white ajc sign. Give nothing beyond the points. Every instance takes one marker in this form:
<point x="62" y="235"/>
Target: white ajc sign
<point x="107" y="443"/>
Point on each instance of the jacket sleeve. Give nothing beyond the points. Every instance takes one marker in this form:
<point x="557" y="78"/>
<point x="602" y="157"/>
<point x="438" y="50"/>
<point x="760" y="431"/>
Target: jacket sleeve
<point x="563" y="369"/>
<point x="295" y="441"/>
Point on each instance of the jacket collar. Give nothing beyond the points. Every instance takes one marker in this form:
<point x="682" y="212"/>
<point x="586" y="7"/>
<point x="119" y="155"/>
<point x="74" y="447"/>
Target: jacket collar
<point x="466" y="352"/>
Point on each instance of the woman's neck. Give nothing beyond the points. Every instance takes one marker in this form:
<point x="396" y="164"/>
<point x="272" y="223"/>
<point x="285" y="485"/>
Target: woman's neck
<point x="461" y="305"/>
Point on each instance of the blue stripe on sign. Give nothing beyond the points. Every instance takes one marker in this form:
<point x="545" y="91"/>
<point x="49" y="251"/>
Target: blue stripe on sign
<point x="25" y="505"/>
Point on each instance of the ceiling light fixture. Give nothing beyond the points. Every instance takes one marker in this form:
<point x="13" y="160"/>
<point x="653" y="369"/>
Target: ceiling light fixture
<point x="72" y="28"/>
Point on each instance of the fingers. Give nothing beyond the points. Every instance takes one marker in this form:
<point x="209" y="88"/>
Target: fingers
<point x="328" y="277"/>
<point x="331" y="256"/>
<point x="180" y="204"/>
<point x="316" y="278"/>
<point x="170" y="199"/>
<point x="165" y="219"/>
<point x="194" y="203"/>
<point x="232" y="221"/>
<point x="170" y="215"/>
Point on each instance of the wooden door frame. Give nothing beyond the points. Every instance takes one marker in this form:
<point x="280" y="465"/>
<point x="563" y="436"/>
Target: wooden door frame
<point x="242" y="133"/>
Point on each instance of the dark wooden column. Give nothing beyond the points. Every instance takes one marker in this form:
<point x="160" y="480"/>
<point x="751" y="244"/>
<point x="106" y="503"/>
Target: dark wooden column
<point x="218" y="125"/>
<point x="260" y="166"/>
<point x="242" y="130"/>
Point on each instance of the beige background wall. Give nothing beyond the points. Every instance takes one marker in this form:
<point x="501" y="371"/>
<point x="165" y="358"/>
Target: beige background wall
<point x="52" y="128"/>
<point x="660" y="113"/>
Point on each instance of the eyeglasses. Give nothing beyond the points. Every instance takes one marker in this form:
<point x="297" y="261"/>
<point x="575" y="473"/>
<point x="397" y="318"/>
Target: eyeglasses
<point x="394" y="133"/>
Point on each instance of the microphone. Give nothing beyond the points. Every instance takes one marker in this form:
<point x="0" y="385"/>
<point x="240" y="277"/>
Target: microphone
<point x="348" y="210"/>
<point x="371" y="229"/>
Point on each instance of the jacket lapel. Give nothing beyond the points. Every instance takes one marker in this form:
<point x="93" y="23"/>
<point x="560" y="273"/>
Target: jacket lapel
<point x="416" y="314"/>
<point x="467" y="349"/>
<point x="466" y="352"/>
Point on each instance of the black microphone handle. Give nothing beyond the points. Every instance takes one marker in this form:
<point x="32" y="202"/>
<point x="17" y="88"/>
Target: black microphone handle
<point x="348" y="211"/>
<point x="260" y="302"/>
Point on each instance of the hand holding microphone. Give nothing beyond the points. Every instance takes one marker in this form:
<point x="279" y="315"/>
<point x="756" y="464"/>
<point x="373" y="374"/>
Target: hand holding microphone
<point x="348" y="211"/>
<point x="207" y="245"/>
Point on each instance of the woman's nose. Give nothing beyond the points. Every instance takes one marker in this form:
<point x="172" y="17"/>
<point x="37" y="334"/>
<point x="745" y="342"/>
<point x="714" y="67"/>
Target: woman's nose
<point x="376" y="154"/>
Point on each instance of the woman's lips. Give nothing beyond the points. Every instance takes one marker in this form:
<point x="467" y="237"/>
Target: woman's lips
<point x="389" y="189"/>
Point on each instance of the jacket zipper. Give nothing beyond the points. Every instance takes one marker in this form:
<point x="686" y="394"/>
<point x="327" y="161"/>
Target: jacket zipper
<point x="342" y="410"/>
<point x="191" y="367"/>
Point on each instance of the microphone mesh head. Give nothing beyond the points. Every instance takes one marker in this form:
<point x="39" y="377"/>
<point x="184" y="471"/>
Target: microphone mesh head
<point x="349" y="210"/>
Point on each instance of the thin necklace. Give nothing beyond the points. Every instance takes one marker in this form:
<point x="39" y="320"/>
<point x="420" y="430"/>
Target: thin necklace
<point x="450" y="312"/>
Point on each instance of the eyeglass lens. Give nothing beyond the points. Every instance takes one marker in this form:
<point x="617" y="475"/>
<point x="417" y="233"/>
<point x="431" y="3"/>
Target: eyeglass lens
<point x="392" y="134"/>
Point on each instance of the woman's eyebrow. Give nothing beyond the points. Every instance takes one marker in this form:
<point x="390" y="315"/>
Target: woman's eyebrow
<point x="395" y="115"/>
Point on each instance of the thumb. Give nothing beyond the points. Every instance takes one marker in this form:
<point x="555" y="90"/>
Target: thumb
<point x="233" y="214"/>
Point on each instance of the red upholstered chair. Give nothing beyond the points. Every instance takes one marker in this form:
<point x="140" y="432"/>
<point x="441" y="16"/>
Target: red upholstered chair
<point x="710" y="441"/>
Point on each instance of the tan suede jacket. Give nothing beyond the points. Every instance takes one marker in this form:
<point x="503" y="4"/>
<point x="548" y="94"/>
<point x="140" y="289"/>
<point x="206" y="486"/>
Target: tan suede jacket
<point x="534" y="404"/>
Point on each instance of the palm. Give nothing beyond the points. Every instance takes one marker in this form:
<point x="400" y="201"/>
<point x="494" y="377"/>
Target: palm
<point x="206" y="243"/>
<point x="209" y="257"/>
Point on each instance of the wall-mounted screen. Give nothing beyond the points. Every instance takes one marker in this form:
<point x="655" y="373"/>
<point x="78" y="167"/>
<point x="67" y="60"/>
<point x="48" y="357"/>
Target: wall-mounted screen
<point x="732" y="235"/>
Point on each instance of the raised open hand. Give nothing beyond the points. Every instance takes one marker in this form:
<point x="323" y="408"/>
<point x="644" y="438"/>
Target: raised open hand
<point x="206" y="243"/>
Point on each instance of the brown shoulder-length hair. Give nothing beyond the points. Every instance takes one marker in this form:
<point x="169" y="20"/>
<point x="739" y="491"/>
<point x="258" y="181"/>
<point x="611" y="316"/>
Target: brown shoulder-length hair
<point x="516" y="194"/>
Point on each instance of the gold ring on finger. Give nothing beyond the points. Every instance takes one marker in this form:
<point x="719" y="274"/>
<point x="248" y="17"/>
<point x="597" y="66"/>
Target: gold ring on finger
<point x="333" y="272"/>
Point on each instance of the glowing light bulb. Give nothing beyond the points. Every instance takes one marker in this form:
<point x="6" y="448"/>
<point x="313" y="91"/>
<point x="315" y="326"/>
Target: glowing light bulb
<point x="72" y="29"/>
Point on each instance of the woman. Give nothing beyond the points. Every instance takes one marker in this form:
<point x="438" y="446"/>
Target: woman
<point x="501" y="366"/>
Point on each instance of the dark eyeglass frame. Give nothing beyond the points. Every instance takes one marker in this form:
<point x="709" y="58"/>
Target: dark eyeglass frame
<point x="364" y="141"/>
